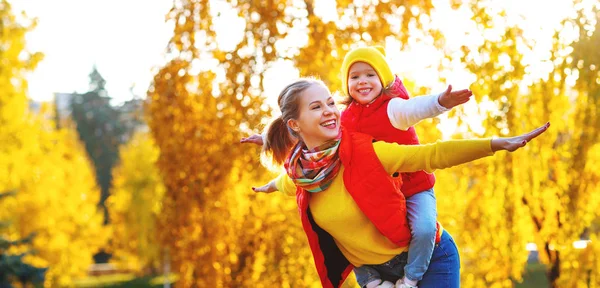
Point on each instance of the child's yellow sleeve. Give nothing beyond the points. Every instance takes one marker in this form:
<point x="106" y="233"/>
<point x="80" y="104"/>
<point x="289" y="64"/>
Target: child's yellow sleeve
<point x="284" y="183"/>
<point x="429" y="157"/>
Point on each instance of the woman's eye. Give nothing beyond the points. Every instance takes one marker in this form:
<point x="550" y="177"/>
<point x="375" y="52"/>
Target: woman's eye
<point x="315" y="107"/>
<point x="332" y="104"/>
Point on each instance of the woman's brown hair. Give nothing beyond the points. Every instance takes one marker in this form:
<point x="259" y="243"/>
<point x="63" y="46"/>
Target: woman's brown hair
<point x="279" y="138"/>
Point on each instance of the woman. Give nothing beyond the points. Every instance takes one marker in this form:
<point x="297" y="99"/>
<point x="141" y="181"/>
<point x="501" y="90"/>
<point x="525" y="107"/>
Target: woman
<point x="360" y="218"/>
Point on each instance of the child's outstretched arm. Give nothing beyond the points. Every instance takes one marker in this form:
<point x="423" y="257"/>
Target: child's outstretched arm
<point x="450" y="99"/>
<point x="406" y="113"/>
<point x="446" y="154"/>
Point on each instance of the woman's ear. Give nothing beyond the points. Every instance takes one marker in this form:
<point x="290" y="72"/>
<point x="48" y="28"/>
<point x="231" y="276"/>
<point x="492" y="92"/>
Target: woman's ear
<point x="293" y="124"/>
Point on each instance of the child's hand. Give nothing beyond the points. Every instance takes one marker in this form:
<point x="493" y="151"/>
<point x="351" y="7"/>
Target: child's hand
<point x="513" y="143"/>
<point x="267" y="188"/>
<point x="256" y="139"/>
<point x="450" y="99"/>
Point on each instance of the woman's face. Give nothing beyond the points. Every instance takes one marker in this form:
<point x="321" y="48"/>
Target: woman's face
<point x="319" y="118"/>
<point x="363" y="83"/>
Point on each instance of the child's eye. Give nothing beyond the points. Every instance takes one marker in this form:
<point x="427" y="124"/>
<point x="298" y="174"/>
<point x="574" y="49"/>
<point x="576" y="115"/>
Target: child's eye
<point x="353" y="77"/>
<point x="371" y="75"/>
<point x="331" y="103"/>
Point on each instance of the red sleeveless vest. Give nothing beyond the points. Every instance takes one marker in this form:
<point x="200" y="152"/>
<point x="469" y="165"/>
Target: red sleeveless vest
<point x="376" y="193"/>
<point x="372" y="119"/>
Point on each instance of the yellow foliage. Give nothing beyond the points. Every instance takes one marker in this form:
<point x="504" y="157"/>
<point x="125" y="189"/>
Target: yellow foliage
<point x="352" y="25"/>
<point x="56" y="198"/>
<point x="135" y="204"/>
<point x="220" y="234"/>
<point x="61" y="206"/>
<point x="539" y="194"/>
<point x="56" y="192"/>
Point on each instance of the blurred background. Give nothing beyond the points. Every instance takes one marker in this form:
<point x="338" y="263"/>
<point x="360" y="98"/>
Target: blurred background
<point x="120" y="162"/>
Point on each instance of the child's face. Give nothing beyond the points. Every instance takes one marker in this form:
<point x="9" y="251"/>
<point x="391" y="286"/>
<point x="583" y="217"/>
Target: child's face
<point x="364" y="85"/>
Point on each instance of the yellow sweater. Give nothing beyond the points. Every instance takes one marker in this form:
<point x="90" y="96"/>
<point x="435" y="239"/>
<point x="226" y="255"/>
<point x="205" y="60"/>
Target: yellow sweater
<point x="335" y="211"/>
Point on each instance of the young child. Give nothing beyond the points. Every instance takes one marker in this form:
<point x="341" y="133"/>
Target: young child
<point x="379" y="105"/>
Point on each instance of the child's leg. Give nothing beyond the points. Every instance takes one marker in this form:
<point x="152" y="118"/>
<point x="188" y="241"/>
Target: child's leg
<point x="367" y="276"/>
<point x="422" y="217"/>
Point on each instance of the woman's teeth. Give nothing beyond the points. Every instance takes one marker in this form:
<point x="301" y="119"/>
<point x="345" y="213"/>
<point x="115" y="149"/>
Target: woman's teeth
<point x="328" y="123"/>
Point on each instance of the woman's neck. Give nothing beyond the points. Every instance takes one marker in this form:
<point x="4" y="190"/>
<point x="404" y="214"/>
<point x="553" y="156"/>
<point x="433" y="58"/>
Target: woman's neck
<point x="312" y="145"/>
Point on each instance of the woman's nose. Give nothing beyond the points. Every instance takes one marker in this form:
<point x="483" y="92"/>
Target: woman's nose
<point x="329" y="109"/>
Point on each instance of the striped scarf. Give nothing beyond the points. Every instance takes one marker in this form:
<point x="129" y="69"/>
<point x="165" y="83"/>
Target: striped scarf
<point x="314" y="169"/>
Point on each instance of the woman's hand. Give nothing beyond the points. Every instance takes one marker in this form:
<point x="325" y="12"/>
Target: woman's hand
<point x="268" y="188"/>
<point x="256" y="139"/>
<point x="513" y="143"/>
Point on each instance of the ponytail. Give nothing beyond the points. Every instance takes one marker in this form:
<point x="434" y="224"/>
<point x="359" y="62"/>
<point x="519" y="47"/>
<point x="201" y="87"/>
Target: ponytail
<point x="278" y="142"/>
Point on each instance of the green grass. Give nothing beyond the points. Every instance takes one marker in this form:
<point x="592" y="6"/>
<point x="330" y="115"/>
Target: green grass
<point x="144" y="282"/>
<point x="124" y="280"/>
<point x="103" y="280"/>
<point x="534" y="277"/>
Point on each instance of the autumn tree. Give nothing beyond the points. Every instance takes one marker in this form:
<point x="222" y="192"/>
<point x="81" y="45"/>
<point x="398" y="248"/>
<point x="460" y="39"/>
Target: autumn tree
<point x="579" y="143"/>
<point x="331" y="35"/>
<point x="493" y="233"/>
<point x="533" y="195"/>
<point x="57" y="195"/>
<point x="135" y="205"/>
<point x="210" y="91"/>
<point x="217" y="232"/>
<point x="60" y="207"/>
<point x="12" y="267"/>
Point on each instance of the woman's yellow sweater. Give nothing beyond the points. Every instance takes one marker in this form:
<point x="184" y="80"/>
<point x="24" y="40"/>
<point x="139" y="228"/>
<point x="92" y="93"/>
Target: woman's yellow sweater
<point x="335" y="211"/>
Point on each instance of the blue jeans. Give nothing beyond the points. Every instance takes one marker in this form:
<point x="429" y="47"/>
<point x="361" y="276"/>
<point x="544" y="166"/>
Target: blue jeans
<point x="443" y="271"/>
<point x="422" y="216"/>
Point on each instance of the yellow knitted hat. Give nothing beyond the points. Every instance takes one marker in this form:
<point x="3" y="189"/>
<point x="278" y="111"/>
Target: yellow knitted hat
<point x="372" y="55"/>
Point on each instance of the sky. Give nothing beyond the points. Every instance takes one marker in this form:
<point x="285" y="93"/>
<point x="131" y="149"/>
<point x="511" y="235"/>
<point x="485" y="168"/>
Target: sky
<point x="124" y="39"/>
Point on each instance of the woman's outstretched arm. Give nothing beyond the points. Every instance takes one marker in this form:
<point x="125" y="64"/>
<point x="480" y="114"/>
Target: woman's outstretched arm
<point x="282" y="183"/>
<point x="511" y="144"/>
<point x="446" y="154"/>
<point x="254" y="139"/>
<point x="267" y="188"/>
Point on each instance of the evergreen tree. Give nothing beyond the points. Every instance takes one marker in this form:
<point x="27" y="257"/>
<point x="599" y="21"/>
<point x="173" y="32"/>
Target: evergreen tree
<point x="100" y="130"/>
<point x="12" y="267"/>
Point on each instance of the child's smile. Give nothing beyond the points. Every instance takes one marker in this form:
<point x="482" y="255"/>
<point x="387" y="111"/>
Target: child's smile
<point x="364" y="84"/>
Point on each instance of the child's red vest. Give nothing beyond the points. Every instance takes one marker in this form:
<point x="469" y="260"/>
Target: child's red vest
<point x="375" y="192"/>
<point x="372" y="119"/>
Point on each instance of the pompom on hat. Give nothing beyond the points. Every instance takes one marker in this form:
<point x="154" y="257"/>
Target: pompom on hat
<point x="372" y="55"/>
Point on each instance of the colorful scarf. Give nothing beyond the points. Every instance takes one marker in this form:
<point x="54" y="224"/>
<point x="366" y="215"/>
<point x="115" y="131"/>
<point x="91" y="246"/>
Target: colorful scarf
<point x="314" y="169"/>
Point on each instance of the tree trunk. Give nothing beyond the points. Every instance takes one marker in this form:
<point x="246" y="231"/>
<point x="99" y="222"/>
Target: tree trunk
<point x="554" y="271"/>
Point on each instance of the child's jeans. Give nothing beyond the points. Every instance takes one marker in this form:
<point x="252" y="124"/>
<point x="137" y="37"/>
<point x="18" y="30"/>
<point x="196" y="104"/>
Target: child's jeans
<point x="444" y="270"/>
<point x="422" y="217"/>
